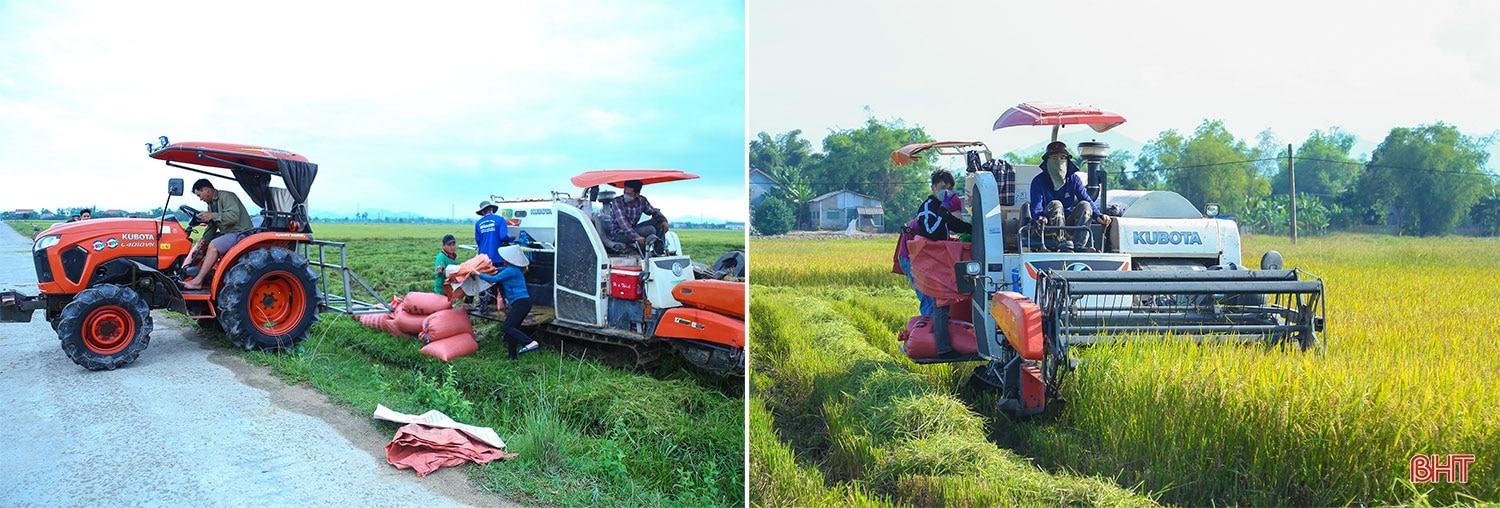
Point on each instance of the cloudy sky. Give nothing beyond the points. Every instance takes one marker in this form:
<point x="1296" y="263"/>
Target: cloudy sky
<point x="953" y="67"/>
<point x="405" y="106"/>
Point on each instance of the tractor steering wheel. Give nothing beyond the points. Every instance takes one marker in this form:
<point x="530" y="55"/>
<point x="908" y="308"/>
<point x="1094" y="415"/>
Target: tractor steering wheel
<point x="193" y="220"/>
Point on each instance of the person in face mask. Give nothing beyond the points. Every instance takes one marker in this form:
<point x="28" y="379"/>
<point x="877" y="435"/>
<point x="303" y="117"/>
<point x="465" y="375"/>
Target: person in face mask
<point x="936" y="219"/>
<point x="1059" y="188"/>
<point x="627" y="209"/>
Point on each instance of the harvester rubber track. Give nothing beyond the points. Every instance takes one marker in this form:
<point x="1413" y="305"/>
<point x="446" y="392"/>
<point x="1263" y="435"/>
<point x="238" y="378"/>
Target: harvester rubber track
<point x="614" y="351"/>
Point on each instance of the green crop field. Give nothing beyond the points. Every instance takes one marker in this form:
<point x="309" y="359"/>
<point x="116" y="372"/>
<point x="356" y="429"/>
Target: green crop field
<point x="839" y="416"/>
<point x="586" y="434"/>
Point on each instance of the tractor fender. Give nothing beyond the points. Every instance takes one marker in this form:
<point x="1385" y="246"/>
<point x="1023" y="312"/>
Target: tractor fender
<point x="253" y="240"/>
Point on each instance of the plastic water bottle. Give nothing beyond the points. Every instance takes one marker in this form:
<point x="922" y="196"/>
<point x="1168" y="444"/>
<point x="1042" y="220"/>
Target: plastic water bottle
<point x="1015" y="279"/>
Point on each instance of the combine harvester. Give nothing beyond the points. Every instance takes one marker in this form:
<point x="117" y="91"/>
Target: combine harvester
<point x="586" y="287"/>
<point x="1020" y="301"/>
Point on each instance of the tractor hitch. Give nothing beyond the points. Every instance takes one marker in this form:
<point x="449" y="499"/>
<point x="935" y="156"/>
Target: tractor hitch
<point x="18" y="308"/>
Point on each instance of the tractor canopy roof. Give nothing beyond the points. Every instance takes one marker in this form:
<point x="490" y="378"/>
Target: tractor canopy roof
<point x="251" y="166"/>
<point x="618" y="177"/>
<point x="1042" y="113"/>
<point x="909" y="153"/>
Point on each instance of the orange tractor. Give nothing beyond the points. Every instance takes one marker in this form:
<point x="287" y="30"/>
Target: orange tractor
<point x="99" y="279"/>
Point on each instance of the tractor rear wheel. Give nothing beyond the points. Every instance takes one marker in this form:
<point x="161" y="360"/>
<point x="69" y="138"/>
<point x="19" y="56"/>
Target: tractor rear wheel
<point x="105" y="327"/>
<point x="269" y="300"/>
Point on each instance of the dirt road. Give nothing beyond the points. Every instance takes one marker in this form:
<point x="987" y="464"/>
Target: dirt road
<point x="185" y="425"/>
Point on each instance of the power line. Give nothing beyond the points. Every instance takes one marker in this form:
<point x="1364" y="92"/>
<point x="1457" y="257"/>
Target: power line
<point x="1198" y="166"/>
<point x="1387" y="166"/>
<point x="1308" y="159"/>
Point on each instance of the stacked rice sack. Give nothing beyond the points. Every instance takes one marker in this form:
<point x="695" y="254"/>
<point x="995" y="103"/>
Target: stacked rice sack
<point x="431" y="317"/>
<point x="449" y="334"/>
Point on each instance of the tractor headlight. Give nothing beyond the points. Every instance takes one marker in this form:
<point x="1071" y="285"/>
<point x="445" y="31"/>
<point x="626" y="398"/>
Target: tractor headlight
<point x="46" y="241"/>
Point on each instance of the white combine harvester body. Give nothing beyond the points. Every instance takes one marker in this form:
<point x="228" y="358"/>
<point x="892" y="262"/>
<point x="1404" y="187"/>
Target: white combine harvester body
<point x="1157" y="230"/>
<point x="586" y="287"/>
<point x="1160" y="268"/>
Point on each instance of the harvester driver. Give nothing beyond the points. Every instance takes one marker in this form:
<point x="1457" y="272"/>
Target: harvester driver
<point x="627" y="209"/>
<point x="1059" y="188"/>
<point x="227" y="220"/>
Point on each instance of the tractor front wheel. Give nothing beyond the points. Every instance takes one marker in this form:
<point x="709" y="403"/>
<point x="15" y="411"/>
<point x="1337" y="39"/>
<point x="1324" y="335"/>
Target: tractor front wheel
<point x="105" y="327"/>
<point x="269" y="300"/>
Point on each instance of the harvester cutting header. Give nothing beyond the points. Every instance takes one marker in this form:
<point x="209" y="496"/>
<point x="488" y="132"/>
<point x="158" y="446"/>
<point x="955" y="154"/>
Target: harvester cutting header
<point x="1028" y="287"/>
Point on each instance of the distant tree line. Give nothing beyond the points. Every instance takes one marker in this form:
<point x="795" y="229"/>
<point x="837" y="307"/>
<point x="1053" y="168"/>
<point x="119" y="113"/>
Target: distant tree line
<point x="1425" y="180"/>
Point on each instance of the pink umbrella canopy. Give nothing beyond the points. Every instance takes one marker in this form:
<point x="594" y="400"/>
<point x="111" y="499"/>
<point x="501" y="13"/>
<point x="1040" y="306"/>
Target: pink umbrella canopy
<point x="1040" y="113"/>
<point x="618" y="177"/>
<point x="909" y="153"/>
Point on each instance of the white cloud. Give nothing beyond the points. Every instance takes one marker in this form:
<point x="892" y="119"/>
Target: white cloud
<point x="395" y="101"/>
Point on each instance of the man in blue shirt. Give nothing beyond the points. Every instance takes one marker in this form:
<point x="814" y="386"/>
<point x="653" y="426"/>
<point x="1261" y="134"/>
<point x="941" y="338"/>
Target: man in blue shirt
<point x="1060" y="188"/>
<point x="490" y="231"/>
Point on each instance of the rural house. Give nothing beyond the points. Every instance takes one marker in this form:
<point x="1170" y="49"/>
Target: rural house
<point x="834" y="210"/>
<point x="761" y="183"/>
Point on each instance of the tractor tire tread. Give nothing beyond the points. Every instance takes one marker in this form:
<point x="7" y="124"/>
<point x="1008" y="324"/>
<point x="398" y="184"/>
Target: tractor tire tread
<point x="235" y="291"/>
<point x="69" y="326"/>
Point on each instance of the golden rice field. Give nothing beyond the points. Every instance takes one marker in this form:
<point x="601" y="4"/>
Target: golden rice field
<point x="839" y="416"/>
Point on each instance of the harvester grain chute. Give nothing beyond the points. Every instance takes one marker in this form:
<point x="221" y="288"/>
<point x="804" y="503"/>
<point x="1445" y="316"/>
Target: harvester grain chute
<point x="1160" y="268"/>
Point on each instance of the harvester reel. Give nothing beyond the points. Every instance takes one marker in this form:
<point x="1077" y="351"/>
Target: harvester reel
<point x="105" y="327"/>
<point x="269" y="300"/>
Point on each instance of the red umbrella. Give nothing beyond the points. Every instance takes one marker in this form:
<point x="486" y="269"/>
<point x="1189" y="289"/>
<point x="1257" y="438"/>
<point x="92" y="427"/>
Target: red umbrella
<point x="1056" y="115"/>
<point x="618" y="177"/>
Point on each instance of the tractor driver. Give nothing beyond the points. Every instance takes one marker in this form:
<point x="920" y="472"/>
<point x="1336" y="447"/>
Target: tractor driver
<point x="627" y="209"/>
<point x="1060" y="188"/>
<point x="226" y="219"/>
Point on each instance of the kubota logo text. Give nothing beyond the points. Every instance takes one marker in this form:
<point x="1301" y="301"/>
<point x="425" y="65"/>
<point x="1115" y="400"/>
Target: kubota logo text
<point x="1167" y="237"/>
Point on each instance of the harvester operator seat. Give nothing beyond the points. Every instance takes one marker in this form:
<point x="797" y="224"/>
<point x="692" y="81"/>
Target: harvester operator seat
<point x="601" y="223"/>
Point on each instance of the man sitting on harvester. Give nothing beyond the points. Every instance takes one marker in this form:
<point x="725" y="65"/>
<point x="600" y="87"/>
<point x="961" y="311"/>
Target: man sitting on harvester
<point x="627" y="210"/>
<point x="227" y="220"/>
<point x="1059" y="188"/>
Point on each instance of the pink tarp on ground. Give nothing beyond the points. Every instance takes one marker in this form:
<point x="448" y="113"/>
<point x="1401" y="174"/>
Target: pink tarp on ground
<point x="433" y="440"/>
<point x="932" y="268"/>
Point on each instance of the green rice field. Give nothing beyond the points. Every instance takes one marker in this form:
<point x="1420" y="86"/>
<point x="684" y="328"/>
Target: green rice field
<point x="839" y="416"/>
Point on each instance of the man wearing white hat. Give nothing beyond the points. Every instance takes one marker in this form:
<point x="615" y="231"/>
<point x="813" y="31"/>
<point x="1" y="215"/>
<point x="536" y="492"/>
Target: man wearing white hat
<point x="512" y="283"/>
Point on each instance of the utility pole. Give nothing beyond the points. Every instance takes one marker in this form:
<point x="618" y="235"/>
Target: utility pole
<point x="1291" y="169"/>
